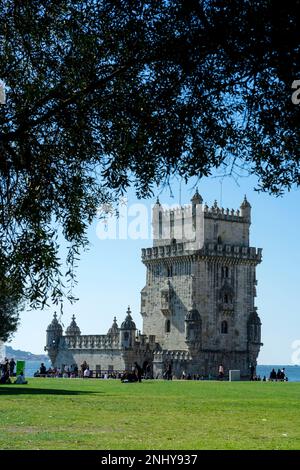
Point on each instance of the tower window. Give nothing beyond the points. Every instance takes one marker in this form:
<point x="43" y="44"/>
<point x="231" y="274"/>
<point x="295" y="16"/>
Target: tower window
<point x="224" y="272"/>
<point x="170" y="271"/>
<point x="171" y="224"/>
<point x="224" y="327"/>
<point x="226" y="299"/>
<point x="160" y="225"/>
<point x="168" y="326"/>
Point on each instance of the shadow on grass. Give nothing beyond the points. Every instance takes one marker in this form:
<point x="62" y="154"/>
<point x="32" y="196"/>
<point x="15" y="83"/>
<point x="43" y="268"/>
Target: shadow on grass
<point x="17" y="390"/>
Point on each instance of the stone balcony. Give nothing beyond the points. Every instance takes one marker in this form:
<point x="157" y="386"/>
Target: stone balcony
<point x="91" y="342"/>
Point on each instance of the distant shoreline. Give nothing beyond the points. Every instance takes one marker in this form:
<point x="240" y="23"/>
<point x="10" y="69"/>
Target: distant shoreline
<point x="20" y="355"/>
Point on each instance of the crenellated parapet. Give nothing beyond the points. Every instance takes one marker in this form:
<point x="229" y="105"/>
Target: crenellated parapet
<point x="214" y="211"/>
<point x="164" y="251"/>
<point x="220" y="213"/>
<point x="209" y="250"/>
<point x="234" y="252"/>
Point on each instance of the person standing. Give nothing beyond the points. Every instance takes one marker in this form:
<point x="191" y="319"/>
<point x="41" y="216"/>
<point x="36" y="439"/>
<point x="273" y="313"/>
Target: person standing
<point x="169" y="371"/>
<point x="221" y="372"/>
<point x="11" y="367"/>
<point x="139" y="371"/>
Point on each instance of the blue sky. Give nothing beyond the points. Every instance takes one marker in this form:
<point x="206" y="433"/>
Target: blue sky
<point x="111" y="273"/>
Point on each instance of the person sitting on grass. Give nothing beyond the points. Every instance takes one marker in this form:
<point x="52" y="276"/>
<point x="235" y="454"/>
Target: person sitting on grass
<point x="5" y="377"/>
<point x="20" y="380"/>
<point x="129" y="377"/>
<point x="43" y="370"/>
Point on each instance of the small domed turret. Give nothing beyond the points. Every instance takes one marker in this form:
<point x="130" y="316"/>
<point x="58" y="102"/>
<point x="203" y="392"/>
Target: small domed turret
<point x="128" y="323"/>
<point x="193" y="315"/>
<point x="127" y="331"/>
<point x="196" y="203"/>
<point x="197" y="199"/>
<point x="53" y="336"/>
<point x="193" y="327"/>
<point x="73" y="329"/>
<point x="246" y="209"/>
<point x="114" y="329"/>
<point x="55" y="325"/>
<point x="254" y="327"/>
<point x="245" y="202"/>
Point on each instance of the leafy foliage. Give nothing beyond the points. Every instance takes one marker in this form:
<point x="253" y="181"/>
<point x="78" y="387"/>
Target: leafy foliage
<point x="103" y="95"/>
<point x="10" y="302"/>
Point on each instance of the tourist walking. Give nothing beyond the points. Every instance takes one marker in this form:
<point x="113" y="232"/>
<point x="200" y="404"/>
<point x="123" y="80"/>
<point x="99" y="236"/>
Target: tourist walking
<point x="139" y="371"/>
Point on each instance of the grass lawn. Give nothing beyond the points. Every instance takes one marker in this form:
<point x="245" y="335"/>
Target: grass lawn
<point x="106" y="414"/>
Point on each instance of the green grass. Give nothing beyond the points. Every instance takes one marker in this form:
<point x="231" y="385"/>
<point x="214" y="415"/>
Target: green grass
<point x="106" y="414"/>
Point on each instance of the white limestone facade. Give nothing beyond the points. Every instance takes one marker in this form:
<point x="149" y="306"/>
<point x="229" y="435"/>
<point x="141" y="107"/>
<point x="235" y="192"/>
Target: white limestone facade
<point x="198" y="303"/>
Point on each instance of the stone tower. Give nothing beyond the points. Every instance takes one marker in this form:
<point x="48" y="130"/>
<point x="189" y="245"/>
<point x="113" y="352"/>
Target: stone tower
<point x="200" y="289"/>
<point x="53" y="336"/>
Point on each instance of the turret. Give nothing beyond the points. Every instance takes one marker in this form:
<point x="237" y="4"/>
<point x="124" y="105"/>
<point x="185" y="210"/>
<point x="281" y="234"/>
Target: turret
<point x="127" y="331"/>
<point x="254" y="328"/>
<point x="73" y="329"/>
<point x="157" y="221"/>
<point x="114" y="329"/>
<point x="196" y="202"/>
<point x="193" y="328"/>
<point x="197" y="198"/>
<point x="246" y="210"/>
<point x="53" y="334"/>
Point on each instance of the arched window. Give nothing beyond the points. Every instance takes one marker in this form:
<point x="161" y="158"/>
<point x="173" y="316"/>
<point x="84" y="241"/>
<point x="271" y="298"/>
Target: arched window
<point x="159" y="225"/>
<point x="170" y="271"/>
<point x="168" y="326"/>
<point x="126" y="335"/>
<point x="224" y="327"/>
<point x="171" y="224"/>
<point x="219" y="240"/>
<point x="226" y="298"/>
<point x="226" y="271"/>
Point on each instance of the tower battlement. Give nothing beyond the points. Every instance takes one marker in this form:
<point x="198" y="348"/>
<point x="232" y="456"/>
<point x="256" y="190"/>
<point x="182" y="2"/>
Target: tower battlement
<point x="210" y="249"/>
<point x="198" y="224"/>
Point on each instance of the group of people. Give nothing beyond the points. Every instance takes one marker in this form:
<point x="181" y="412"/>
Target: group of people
<point x="8" y="365"/>
<point x="8" y="370"/>
<point x="65" y="371"/>
<point x="278" y="376"/>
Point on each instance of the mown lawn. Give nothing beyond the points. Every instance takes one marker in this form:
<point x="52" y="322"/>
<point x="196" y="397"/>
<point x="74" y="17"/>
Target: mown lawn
<point x="106" y="414"/>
